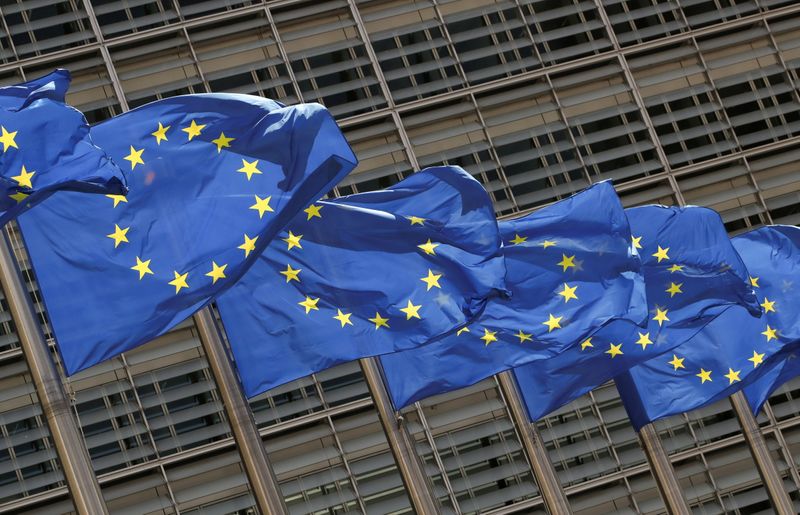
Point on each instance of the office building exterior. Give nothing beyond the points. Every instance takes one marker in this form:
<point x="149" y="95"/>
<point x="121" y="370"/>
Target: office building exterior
<point x="677" y="101"/>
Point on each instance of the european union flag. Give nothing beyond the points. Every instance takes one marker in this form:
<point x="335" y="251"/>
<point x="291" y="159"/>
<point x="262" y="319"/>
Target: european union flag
<point x="692" y="275"/>
<point x="46" y="147"/>
<point x="571" y="269"/>
<point x="733" y="350"/>
<point x="213" y="178"/>
<point x="364" y="275"/>
<point x="779" y="282"/>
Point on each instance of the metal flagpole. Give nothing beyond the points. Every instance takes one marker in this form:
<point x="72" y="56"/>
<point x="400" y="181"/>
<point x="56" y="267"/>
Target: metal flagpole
<point x="758" y="448"/>
<point x="418" y="486"/>
<point x="663" y="472"/>
<point x="554" y="498"/>
<point x="259" y="472"/>
<point x="64" y="430"/>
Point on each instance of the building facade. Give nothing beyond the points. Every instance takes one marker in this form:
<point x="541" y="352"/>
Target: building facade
<point x="677" y="101"/>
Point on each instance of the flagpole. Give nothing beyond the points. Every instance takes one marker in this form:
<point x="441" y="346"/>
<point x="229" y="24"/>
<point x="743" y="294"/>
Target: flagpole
<point x="550" y="487"/>
<point x="415" y="479"/>
<point x="758" y="448"/>
<point x="263" y="483"/>
<point x="664" y="474"/>
<point x="64" y="430"/>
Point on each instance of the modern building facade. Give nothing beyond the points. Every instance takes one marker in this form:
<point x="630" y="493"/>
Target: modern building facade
<point x="677" y="101"/>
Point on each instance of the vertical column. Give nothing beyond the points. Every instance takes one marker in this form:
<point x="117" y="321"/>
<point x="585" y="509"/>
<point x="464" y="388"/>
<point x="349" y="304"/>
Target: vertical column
<point x="418" y="487"/>
<point x="554" y="498"/>
<point x="64" y="430"/>
<point x="758" y="448"/>
<point x="245" y="432"/>
<point x="663" y="472"/>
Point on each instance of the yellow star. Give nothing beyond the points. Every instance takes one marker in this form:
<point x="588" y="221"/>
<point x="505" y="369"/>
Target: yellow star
<point x="344" y="318"/>
<point x="704" y="375"/>
<point x="411" y="310"/>
<point x="193" y="130"/>
<point x="661" y="254"/>
<point x="757" y="359"/>
<point x="675" y="268"/>
<point x="7" y="139"/>
<point x="431" y="280"/>
<point x="119" y="235"/>
<point x="249" y="168"/>
<point x="566" y="262"/>
<point x="135" y="157"/>
<point x="676" y="362"/>
<point x="614" y="350"/>
<point x="462" y="330"/>
<point x="586" y="344"/>
<point x="754" y="282"/>
<point x="428" y="247"/>
<point x="293" y="240"/>
<point x="262" y="205"/>
<point x="309" y="304"/>
<point x="768" y="305"/>
<point x="24" y="178"/>
<point x="644" y="340"/>
<point x="19" y="196"/>
<point x="518" y="239"/>
<point x="249" y="245"/>
<point x="117" y="199"/>
<point x="415" y="220"/>
<point x="379" y="321"/>
<point x="770" y="333"/>
<point x="222" y="142"/>
<point x="488" y="336"/>
<point x="179" y="281"/>
<point x="732" y="375"/>
<point x="217" y="272"/>
<point x="553" y="323"/>
<point x="161" y="133"/>
<point x="637" y="241"/>
<point x="312" y="211"/>
<point x="568" y="292"/>
<point x="523" y="337"/>
<point x="674" y="289"/>
<point x="292" y="274"/>
<point x="548" y="243"/>
<point x="661" y="316"/>
<point x="143" y="267"/>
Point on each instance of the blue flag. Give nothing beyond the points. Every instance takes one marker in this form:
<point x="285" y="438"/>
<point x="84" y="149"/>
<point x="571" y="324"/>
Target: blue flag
<point x="734" y="349"/>
<point x="571" y="268"/>
<point x="46" y="147"/>
<point x="778" y="369"/>
<point x="692" y="275"/>
<point x="364" y="275"/>
<point x="783" y="279"/>
<point x="213" y="178"/>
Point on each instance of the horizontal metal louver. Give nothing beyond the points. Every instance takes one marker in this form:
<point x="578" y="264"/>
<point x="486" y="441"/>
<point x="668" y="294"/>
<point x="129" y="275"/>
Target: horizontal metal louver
<point x="28" y="462"/>
<point x="328" y="57"/>
<point x="564" y="31"/>
<point x="682" y="105"/>
<point x="170" y="69"/>
<point x="46" y="26"/>
<point x="453" y="134"/>
<point x="242" y="56"/>
<point x="117" y="18"/>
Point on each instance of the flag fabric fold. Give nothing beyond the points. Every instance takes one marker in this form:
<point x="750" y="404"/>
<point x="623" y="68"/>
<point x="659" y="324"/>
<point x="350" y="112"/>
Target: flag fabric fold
<point x="46" y="146"/>
<point x="364" y="275"/>
<point x="571" y="269"/>
<point x="735" y="349"/>
<point x="692" y="274"/>
<point x="213" y="178"/>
